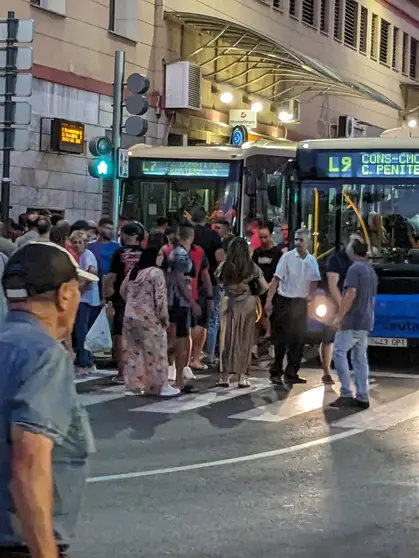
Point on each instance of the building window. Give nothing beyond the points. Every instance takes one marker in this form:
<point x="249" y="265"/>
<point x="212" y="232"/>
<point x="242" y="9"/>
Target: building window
<point x="337" y="21"/>
<point x="308" y="12"/>
<point x="351" y="23"/>
<point x="55" y="6"/>
<point x="405" y="53"/>
<point x="374" y="37"/>
<point x="395" y="52"/>
<point x="384" y="37"/>
<point x="324" y="16"/>
<point x="277" y="4"/>
<point x="363" y="30"/>
<point x="413" y="66"/>
<point x="123" y="18"/>
<point x="293" y="8"/>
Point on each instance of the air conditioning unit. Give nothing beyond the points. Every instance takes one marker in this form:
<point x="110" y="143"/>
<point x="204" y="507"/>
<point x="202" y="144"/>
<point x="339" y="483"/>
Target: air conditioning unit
<point x="183" y="86"/>
<point x="346" y="127"/>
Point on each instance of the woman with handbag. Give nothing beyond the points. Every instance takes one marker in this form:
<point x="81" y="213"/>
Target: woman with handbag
<point x="243" y="282"/>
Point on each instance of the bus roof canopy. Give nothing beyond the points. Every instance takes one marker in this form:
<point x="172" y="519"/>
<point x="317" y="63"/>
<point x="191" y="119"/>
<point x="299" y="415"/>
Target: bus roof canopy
<point x="268" y="57"/>
<point x="214" y="152"/>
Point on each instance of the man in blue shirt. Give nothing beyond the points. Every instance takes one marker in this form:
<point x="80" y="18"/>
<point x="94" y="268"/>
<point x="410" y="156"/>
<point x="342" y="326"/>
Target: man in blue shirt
<point x="104" y="247"/>
<point x="45" y="436"/>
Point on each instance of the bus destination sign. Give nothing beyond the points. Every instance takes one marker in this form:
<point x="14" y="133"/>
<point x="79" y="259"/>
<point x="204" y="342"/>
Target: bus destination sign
<point x="368" y="164"/>
<point x="190" y="169"/>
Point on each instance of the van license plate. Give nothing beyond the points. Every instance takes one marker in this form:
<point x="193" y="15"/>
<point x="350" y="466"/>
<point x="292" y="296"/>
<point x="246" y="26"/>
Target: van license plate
<point x="386" y="342"/>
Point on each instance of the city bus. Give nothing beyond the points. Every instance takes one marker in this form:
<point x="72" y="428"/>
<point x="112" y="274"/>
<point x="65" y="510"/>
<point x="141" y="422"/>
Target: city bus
<point x="232" y="183"/>
<point x="370" y="187"/>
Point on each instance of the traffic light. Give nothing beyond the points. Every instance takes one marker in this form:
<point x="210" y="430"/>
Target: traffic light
<point x="101" y="166"/>
<point x="137" y="104"/>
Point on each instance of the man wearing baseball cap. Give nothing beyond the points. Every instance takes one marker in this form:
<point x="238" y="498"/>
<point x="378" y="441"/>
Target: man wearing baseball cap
<point x="45" y="436"/>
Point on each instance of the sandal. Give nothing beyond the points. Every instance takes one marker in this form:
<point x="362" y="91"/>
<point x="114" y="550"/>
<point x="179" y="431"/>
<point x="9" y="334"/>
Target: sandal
<point x="202" y="367"/>
<point x="222" y="383"/>
<point x="244" y="384"/>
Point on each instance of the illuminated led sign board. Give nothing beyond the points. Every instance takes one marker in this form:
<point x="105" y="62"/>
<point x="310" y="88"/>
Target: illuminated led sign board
<point x="367" y="164"/>
<point x="67" y="137"/>
<point x="190" y="169"/>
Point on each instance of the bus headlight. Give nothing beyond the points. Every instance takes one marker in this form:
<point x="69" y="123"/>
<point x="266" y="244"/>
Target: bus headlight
<point x="321" y="310"/>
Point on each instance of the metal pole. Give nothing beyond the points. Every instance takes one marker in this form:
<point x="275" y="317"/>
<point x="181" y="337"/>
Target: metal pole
<point x="118" y="99"/>
<point x="8" y="117"/>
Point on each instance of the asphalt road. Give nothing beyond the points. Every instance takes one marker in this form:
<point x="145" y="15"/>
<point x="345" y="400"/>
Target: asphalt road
<point x="235" y="474"/>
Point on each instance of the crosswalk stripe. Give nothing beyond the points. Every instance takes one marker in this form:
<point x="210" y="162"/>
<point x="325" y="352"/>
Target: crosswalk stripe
<point x="103" y="396"/>
<point x="293" y="406"/>
<point x="196" y="401"/>
<point x="384" y="416"/>
<point x="99" y="375"/>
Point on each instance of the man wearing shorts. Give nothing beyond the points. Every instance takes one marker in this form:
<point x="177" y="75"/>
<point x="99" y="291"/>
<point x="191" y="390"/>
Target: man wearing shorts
<point x="182" y="306"/>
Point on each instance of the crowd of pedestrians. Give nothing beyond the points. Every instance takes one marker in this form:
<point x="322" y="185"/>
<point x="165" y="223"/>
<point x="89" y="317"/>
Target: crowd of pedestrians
<point x="188" y="295"/>
<point x="172" y="292"/>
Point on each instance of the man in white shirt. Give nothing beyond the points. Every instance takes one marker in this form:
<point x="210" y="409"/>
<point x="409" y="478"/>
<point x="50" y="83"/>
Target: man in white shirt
<point x="296" y="277"/>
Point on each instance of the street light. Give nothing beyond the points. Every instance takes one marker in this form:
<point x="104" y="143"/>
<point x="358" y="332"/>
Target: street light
<point x="226" y="97"/>
<point x="256" y="106"/>
<point x="412" y="123"/>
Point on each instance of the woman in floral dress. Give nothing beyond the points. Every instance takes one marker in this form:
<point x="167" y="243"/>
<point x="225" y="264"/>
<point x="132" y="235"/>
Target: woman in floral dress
<point x="144" y="331"/>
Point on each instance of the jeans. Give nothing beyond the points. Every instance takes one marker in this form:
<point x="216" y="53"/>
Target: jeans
<point x="86" y="315"/>
<point x="356" y="342"/>
<point x="214" y="321"/>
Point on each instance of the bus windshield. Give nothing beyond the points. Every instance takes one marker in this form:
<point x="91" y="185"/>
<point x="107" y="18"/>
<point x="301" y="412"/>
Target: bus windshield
<point x="151" y="197"/>
<point x="386" y="214"/>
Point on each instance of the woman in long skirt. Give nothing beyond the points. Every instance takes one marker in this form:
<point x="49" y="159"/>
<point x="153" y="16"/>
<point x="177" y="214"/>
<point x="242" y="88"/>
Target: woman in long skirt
<point x="144" y="330"/>
<point x="242" y="280"/>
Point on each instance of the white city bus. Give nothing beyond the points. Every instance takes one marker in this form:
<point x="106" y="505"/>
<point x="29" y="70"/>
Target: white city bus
<point x="234" y="183"/>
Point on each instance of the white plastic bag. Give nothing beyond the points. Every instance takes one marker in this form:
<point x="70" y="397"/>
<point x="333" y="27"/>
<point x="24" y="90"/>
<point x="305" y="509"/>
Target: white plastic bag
<point x="99" y="337"/>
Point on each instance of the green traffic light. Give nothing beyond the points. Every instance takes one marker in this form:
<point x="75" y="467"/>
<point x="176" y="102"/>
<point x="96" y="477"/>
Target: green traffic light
<point x="101" y="168"/>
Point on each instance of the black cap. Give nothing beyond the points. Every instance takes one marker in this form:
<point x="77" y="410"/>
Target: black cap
<point x="134" y="228"/>
<point x="40" y="267"/>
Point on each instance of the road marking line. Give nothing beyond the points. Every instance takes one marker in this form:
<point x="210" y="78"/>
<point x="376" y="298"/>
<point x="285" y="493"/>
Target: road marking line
<point x="102" y="396"/>
<point x="294" y="406"/>
<point x="95" y="376"/>
<point x="385" y="416"/>
<point x="394" y="375"/>
<point x="195" y="401"/>
<point x="231" y="461"/>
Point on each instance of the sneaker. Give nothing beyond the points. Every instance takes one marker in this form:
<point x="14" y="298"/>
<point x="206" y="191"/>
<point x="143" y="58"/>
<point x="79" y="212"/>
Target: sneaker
<point x="328" y="380"/>
<point x="92" y="369"/>
<point x="362" y="405"/>
<point x="131" y="392"/>
<point x="171" y="373"/>
<point x="169" y="391"/>
<point x="342" y="402"/>
<point x="276" y="380"/>
<point x="81" y="372"/>
<point x="118" y="380"/>
<point x="297" y="380"/>
<point x="188" y="374"/>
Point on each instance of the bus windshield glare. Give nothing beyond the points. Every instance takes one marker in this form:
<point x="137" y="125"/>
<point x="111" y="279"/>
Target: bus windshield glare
<point x="385" y="213"/>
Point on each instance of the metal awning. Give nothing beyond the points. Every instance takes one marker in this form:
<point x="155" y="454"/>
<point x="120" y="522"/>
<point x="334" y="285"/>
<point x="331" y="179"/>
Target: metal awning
<point x="296" y="73"/>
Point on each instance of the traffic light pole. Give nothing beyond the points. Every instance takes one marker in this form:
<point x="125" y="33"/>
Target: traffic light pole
<point x="8" y="117"/>
<point x="118" y="99"/>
